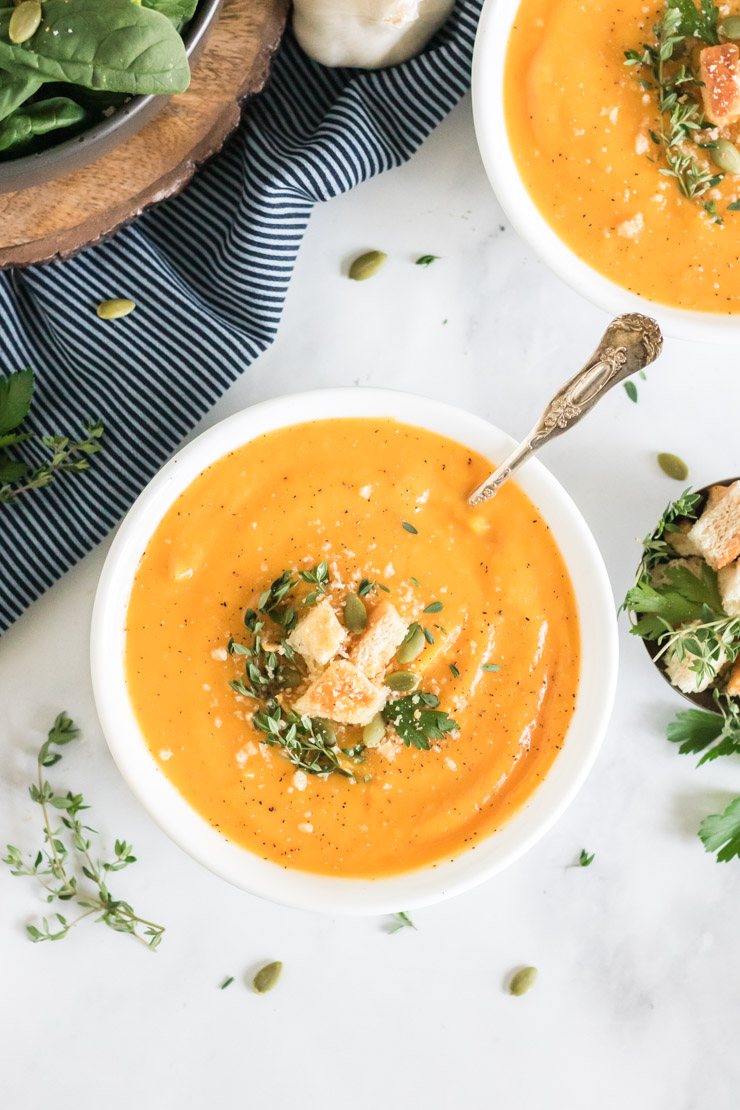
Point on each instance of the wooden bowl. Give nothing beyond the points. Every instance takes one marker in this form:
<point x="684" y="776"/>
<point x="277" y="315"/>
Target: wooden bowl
<point x="704" y="700"/>
<point x="72" y="154"/>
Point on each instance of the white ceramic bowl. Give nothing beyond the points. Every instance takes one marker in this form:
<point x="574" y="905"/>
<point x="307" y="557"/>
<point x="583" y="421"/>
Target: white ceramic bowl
<point x="316" y="892"/>
<point x="490" y="127"/>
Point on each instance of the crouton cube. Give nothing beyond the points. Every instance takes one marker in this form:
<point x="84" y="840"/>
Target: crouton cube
<point x="733" y="682"/>
<point x="729" y="588"/>
<point x="318" y="635"/>
<point x="681" y="541"/>
<point x="343" y="694"/>
<point x="683" y="677"/>
<point x="715" y="495"/>
<point x="717" y="531"/>
<point x="376" y="647"/>
<point x="719" y="72"/>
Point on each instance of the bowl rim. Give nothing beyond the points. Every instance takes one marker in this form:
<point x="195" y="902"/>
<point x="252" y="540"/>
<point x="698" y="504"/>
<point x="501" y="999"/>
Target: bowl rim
<point x="61" y="156"/>
<point x="499" y="163"/>
<point x="334" y="895"/>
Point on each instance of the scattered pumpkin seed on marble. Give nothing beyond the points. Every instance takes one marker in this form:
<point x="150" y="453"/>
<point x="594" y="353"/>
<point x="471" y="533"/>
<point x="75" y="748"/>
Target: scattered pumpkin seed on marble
<point x="402" y="681"/>
<point x="25" y="21"/>
<point x="115" y="308"/>
<point x="412" y="644"/>
<point x="523" y="981"/>
<point x="267" y="977"/>
<point x="355" y="613"/>
<point x="373" y="732"/>
<point x="367" y="265"/>
<point x="673" y="466"/>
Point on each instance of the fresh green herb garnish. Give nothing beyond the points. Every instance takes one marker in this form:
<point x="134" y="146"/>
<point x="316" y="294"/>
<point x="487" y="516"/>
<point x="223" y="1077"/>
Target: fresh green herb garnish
<point x="417" y="719"/>
<point x="492" y="667"/>
<point x="68" y="456"/>
<point x="714" y="734"/>
<point x="410" y="528"/>
<point x="319" y="577"/>
<point x="301" y="740"/>
<point x="455" y="671"/>
<point x="680" y="114"/>
<point x="56" y="862"/>
<point x="426" y="259"/>
<point x="434" y="607"/>
<point x="367" y="586"/>
<point x="734" y="207"/>
<point x="401" y="920"/>
<point x="428" y="635"/>
<point x="631" y="390"/>
<point x="721" y="832"/>
<point x="226" y="983"/>
<point x="585" y="860"/>
<point x="415" y="582"/>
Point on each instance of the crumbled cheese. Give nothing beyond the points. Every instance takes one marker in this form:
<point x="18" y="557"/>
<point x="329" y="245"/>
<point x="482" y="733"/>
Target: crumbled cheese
<point x="305" y="827"/>
<point x="300" y="780"/>
<point x="642" y="144"/>
<point x="630" y="229"/>
<point x="165" y="754"/>
<point x="220" y="653"/>
<point x="365" y="492"/>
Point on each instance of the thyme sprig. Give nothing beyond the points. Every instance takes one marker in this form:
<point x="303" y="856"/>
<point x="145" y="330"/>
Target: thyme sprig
<point x="301" y="740"/>
<point x="680" y="114"/>
<point x="67" y="455"/>
<point x="67" y="848"/>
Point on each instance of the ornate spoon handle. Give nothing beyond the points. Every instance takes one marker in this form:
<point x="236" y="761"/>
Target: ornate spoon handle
<point x="629" y="344"/>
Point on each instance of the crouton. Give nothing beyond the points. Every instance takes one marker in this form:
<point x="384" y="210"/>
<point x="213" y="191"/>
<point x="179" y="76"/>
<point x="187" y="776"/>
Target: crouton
<point x="719" y="72"/>
<point x="343" y="694"/>
<point x="318" y="635"/>
<point x="376" y="647"/>
<point x="729" y="588"/>
<point x="714" y="496"/>
<point x="733" y="682"/>
<point x="659" y="576"/>
<point x="683" y="677"/>
<point x="681" y="542"/>
<point x="717" y="531"/>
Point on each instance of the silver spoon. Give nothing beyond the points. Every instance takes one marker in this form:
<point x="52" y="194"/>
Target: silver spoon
<point x="629" y="344"/>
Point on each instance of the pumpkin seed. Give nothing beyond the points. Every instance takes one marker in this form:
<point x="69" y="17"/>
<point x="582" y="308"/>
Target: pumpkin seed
<point x="730" y="27"/>
<point x="673" y="466"/>
<point x="289" y="676"/>
<point x="367" y="265"/>
<point x="267" y="977"/>
<point x="412" y="644"/>
<point x="25" y="21"/>
<point x="115" y="308"/>
<point x="374" y="731"/>
<point x="355" y="613"/>
<point x="325" y="729"/>
<point x="402" y="681"/>
<point x="523" y="981"/>
<point x="726" y="156"/>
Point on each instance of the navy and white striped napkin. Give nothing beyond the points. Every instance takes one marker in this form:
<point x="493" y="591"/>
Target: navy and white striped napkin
<point x="209" y="271"/>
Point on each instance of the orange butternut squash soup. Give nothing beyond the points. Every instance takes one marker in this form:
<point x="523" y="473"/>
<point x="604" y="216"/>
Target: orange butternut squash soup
<point x="624" y="121"/>
<point x="338" y="663"/>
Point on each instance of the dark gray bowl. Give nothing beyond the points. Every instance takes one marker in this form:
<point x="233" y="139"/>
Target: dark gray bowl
<point x="705" y="700"/>
<point x="88" y="146"/>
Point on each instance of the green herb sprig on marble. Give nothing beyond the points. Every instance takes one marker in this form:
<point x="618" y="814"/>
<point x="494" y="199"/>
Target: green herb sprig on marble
<point x="67" y="850"/>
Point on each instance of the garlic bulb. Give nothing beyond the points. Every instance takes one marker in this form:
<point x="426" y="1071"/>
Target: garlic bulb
<point x="368" y="34"/>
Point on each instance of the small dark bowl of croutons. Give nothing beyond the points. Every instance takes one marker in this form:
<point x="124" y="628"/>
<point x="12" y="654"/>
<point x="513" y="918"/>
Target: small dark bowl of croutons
<point x="685" y="603"/>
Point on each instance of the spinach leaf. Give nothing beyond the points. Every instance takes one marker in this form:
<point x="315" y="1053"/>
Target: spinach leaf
<point x="39" y="118"/>
<point x="15" y="89"/>
<point x="178" y="12"/>
<point x="115" y="45"/>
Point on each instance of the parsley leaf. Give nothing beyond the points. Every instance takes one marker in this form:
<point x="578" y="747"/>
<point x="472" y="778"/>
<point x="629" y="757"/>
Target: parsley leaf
<point x="683" y="597"/>
<point x="715" y="734"/>
<point x="401" y="920"/>
<point x="417" y="719"/>
<point x="721" y="832"/>
<point x="695" y="22"/>
<point x="585" y="860"/>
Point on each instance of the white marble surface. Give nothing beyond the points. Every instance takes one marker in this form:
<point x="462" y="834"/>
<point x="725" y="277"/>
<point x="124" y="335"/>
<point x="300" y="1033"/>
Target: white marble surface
<point x="638" y="998"/>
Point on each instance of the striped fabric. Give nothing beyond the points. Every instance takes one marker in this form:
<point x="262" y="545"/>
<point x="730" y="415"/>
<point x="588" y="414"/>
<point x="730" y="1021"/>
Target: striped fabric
<point x="219" y="257"/>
